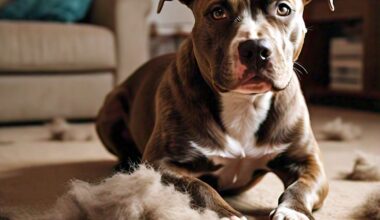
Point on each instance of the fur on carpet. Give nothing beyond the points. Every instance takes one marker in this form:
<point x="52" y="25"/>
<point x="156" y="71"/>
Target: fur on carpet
<point x="140" y="195"/>
<point x="366" y="168"/>
<point x="61" y="130"/>
<point x="338" y="130"/>
<point x="371" y="209"/>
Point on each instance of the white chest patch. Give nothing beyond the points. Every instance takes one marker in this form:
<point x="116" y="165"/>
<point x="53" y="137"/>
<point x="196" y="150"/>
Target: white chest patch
<point x="242" y="116"/>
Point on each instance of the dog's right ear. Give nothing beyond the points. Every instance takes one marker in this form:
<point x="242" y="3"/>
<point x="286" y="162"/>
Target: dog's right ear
<point x="331" y="4"/>
<point x="162" y="2"/>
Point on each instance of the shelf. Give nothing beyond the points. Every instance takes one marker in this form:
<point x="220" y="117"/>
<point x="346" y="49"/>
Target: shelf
<point x="316" y="56"/>
<point x="345" y="99"/>
<point x="326" y="92"/>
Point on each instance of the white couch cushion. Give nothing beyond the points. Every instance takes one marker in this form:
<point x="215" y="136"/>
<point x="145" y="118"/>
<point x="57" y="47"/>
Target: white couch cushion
<point x="55" y="47"/>
<point x="45" y="96"/>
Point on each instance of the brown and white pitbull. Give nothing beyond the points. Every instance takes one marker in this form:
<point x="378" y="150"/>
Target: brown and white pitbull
<point x="225" y="110"/>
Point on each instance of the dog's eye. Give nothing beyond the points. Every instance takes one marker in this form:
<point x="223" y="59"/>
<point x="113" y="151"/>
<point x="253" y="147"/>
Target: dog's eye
<point x="219" y="13"/>
<point x="283" y="9"/>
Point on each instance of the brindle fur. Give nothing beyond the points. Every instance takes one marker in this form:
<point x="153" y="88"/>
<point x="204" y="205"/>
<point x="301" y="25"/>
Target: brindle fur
<point x="174" y="99"/>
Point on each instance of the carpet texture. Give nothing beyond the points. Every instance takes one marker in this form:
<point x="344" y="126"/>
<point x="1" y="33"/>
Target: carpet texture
<point x="35" y="171"/>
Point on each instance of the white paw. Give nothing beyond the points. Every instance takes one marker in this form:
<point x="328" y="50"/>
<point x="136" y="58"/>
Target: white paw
<point x="234" y="218"/>
<point x="283" y="213"/>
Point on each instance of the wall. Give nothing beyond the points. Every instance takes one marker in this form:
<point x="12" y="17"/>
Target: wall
<point x="173" y="16"/>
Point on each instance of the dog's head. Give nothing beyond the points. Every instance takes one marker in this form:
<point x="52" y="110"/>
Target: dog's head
<point x="247" y="46"/>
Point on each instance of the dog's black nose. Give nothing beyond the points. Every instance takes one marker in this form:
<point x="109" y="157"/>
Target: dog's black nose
<point x="254" y="52"/>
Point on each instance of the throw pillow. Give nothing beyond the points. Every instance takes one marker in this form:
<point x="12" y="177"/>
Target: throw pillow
<point x="46" y="10"/>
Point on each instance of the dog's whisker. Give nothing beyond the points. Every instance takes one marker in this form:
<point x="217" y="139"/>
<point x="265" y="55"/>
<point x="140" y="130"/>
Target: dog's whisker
<point x="302" y="67"/>
<point x="298" y="73"/>
<point x="309" y="28"/>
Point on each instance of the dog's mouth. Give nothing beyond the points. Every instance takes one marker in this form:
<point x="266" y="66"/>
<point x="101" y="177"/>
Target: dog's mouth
<point x="253" y="83"/>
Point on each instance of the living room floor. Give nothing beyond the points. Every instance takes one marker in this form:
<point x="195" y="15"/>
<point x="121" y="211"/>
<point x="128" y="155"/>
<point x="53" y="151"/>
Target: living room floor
<point x="35" y="171"/>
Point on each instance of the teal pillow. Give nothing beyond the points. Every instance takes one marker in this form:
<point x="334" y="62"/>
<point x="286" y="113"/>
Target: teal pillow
<point x="48" y="10"/>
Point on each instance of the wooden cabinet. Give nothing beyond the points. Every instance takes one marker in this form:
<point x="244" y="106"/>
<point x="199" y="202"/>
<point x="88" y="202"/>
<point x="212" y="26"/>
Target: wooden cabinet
<point x="321" y="23"/>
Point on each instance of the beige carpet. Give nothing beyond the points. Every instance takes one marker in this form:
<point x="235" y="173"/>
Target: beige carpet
<point x="34" y="171"/>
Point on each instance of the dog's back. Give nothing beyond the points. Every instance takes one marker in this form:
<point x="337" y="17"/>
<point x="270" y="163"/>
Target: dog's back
<point x="117" y="117"/>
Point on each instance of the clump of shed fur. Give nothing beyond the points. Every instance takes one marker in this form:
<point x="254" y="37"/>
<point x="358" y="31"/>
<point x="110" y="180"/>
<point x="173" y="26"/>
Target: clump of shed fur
<point x="140" y="195"/>
<point x="371" y="208"/>
<point x="61" y="130"/>
<point x="338" y="130"/>
<point x="366" y="168"/>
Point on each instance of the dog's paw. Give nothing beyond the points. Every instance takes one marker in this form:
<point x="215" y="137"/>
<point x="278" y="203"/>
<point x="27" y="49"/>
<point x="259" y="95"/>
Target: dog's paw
<point x="234" y="218"/>
<point x="284" y="213"/>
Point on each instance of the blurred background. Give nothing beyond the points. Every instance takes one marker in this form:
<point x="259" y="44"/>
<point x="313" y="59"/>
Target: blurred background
<point x="59" y="59"/>
<point x="51" y="50"/>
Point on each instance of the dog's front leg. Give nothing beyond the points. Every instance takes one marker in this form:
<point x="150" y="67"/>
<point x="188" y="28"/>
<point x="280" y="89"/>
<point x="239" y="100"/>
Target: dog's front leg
<point x="202" y="195"/>
<point x="305" y="183"/>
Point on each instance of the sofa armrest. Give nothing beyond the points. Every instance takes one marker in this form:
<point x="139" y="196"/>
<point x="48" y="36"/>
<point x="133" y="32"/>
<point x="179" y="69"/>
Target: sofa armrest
<point x="128" y="20"/>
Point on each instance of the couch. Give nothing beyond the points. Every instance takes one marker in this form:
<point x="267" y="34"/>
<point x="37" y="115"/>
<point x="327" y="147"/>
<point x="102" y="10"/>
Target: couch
<point x="52" y="70"/>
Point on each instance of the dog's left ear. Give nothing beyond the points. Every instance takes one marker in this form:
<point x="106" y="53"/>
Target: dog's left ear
<point x="162" y="2"/>
<point x="331" y="4"/>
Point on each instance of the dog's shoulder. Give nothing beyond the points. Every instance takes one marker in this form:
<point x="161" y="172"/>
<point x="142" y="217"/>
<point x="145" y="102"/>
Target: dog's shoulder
<point x="151" y="69"/>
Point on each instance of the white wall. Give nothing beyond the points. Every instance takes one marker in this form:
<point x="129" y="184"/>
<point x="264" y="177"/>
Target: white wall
<point x="174" y="15"/>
